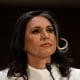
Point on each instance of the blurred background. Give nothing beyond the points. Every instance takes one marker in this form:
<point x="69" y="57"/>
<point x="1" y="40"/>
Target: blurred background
<point x="67" y="12"/>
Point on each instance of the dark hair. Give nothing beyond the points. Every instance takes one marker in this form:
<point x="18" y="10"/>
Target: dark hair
<point x="18" y="67"/>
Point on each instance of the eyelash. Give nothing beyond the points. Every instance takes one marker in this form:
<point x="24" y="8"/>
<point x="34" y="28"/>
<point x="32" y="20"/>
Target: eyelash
<point x="36" y="31"/>
<point x="50" y="30"/>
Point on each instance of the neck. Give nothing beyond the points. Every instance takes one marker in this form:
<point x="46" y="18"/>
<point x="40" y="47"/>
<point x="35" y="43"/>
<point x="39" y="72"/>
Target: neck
<point x="37" y="62"/>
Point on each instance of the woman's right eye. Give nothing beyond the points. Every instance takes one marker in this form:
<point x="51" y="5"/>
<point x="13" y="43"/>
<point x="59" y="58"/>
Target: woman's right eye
<point x="36" y="31"/>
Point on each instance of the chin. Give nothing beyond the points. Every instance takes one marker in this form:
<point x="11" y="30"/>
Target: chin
<point x="46" y="54"/>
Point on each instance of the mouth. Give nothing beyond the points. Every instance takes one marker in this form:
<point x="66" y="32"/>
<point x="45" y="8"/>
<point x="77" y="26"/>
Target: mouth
<point x="46" y="45"/>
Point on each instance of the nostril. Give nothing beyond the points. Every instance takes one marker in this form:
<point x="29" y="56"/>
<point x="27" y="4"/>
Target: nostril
<point x="45" y="36"/>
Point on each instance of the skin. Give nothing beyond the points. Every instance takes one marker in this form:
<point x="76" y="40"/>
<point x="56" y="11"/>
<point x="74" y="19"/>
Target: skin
<point x="40" y="42"/>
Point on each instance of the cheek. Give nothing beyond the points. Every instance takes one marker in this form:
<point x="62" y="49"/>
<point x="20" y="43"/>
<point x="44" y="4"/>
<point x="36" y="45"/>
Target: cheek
<point x="54" y="41"/>
<point x="31" y="43"/>
<point x="53" y="38"/>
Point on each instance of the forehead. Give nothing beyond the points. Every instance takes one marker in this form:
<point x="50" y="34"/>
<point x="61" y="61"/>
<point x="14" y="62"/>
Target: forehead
<point x="39" y="21"/>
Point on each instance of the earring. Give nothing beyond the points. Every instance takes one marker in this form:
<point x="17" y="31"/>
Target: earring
<point x="65" y="47"/>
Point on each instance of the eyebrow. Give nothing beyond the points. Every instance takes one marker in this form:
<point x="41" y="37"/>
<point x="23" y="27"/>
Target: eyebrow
<point x="36" y="27"/>
<point x="50" y="26"/>
<point x="40" y="27"/>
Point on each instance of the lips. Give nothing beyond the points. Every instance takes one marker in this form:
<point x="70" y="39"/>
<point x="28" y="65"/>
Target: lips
<point x="46" y="44"/>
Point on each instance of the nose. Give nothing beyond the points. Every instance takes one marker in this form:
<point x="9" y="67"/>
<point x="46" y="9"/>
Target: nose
<point x="44" y="35"/>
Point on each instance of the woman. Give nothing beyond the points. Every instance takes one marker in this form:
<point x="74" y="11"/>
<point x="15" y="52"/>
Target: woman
<point x="38" y="55"/>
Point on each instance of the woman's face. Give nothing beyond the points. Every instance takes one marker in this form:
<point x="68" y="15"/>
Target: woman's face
<point x="40" y="40"/>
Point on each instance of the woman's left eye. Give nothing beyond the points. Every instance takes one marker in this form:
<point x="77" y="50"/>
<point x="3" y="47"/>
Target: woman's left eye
<point x="50" y="30"/>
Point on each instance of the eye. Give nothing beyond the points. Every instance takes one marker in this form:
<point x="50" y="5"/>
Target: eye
<point x="36" y="31"/>
<point x="50" y="30"/>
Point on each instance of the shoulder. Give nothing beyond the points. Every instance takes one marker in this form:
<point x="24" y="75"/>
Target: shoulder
<point x="74" y="73"/>
<point x="3" y="74"/>
<point x="73" y="70"/>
